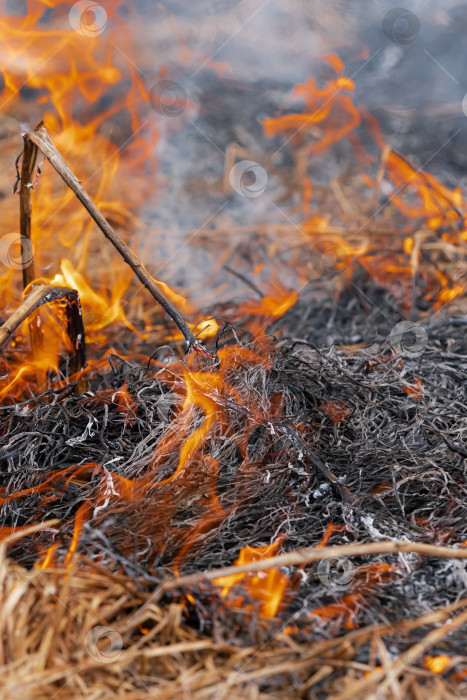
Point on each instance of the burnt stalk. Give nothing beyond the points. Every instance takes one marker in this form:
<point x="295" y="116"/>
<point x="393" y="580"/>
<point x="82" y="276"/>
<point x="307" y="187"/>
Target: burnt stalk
<point x="27" y="258"/>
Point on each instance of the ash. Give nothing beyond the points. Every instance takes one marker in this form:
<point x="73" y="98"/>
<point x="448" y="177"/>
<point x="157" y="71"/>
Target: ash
<point x="365" y="440"/>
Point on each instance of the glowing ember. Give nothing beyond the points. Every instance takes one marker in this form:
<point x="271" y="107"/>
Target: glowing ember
<point x="415" y="390"/>
<point x="437" y="664"/>
<point x="336" y="410"/>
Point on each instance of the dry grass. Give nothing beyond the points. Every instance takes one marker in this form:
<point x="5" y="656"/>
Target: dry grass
<point x="48" y="649"/>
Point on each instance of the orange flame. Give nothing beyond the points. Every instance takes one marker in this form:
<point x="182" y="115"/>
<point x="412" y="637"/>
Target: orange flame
<point x="437" y="664"/>
<point x="69" y="69"/>
<point x="330" y="116"/>
<point x="72" y="71"/>
<point x="268" y="587"/>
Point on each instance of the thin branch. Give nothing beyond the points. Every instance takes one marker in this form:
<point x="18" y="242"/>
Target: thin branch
<point x="304" y="556"/>
<point x="310" y="554"/>
<point x="244" y="279"/>
<point x="28" y="306"/>
<point x="40" y="137"/>
<point x="27" y="256"/>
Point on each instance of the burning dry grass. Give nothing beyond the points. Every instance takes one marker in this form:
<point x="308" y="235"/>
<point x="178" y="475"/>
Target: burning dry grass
<point x="272" y="416"/>
<point x="184" y="465"/>
<point x="263" y="454"/>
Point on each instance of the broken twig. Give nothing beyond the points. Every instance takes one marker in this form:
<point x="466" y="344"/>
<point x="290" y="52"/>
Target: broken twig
<point x="45" y="294"/>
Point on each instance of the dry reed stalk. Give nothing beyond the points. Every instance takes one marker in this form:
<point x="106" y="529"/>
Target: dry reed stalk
<point x="311" y="554"/>
<point x="26" y="308"/>
<point x="30" y="151"/>
<point x="415" y="651"/>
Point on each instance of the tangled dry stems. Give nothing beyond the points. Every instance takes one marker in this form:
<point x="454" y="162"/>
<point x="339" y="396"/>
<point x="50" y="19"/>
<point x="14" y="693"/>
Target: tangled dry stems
<point x="401" y="458"/>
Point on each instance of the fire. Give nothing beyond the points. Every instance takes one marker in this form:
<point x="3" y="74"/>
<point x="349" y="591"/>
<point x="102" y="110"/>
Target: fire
<point x="364" y="583"/>
<point x="448" y="294"/>
<point x="84" y="103"/>
<point x="330" y="116"/>
<point x="271" y="306"/>
<point x="327" y="104"/>
<point x="437" y="664"/>
<point x="268" y="587"/>
<point x="80" y="518"/>
<point x="206" y="328"/>
<point x="71" y="72"/>
<point x="205" y="402"/>
<point x="101" y="309"/>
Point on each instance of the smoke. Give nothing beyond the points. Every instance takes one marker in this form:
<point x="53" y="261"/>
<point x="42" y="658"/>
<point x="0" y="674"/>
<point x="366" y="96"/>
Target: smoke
<point x="237" y="63"/>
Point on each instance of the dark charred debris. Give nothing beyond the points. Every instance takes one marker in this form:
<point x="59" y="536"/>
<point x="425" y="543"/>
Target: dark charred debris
<point x="390" y="428"/>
